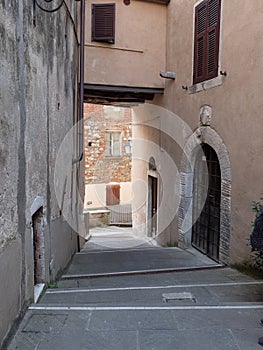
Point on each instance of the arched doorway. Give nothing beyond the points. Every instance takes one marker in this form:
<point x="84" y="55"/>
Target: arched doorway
<point x="207" y="136"/>
<point x="206" y="226"/>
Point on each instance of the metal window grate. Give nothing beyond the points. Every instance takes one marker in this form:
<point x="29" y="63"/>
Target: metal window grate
<point x="206" y="230"/>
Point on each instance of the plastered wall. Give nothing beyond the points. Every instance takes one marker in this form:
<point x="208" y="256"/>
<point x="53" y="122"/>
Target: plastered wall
<point x="38" y="70"/>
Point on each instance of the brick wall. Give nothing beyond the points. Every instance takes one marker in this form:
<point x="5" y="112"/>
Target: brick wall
<point x="99" y="120"/>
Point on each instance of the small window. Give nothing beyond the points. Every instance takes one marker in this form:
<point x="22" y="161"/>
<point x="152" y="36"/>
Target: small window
<point x="206" y="40"/>
<point x="103" y="23"/>
<point x="113" y="144"/>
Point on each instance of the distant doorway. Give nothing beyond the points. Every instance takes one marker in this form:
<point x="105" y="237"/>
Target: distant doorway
<point x="152" y="205"/>
<point x="38" y="246"/>
<point x="206" y="229"/>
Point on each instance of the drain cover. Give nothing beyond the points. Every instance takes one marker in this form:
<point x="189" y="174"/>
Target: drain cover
<point x="178" y="296"/>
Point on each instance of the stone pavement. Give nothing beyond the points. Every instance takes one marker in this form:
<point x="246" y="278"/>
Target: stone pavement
<point x="111" y="299"/>
<point x="115" y="251"/>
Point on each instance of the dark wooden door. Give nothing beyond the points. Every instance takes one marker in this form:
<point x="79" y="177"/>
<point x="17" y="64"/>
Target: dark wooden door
<point x="207" y="178"/>
<point x="152" y="206"/>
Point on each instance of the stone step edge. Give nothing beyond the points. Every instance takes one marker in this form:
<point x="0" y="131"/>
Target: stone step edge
<point x="142" y="272"/>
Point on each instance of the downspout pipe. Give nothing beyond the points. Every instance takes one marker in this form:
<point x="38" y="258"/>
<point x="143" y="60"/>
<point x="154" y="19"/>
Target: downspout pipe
<point x="81" y="96"/>
<point x="82" y="47"/>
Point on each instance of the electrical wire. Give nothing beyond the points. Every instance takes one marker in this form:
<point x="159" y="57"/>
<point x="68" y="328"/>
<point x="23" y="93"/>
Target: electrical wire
<point x="72" y="21"/>
<point x="47" y="10"/>
<point x="56" y="9"/>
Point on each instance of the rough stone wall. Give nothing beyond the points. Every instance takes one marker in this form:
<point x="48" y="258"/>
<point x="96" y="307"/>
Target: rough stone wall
<point x="10" y="242"/>
<point x="9" y="116"/>
<point x="38" y="69"/>
<point x="100" y="168"/>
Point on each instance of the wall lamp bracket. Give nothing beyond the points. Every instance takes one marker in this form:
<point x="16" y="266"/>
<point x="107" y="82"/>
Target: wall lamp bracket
<point x="168" y="75"/>
<point x="185" y="88"/>
<point x="224" y="73"/>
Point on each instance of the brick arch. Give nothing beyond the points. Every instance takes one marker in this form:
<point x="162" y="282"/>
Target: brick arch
<point x="209" y="136"/>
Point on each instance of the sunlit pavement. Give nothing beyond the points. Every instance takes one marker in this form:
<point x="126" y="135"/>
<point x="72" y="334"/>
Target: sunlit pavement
<point x="123" y="292"/>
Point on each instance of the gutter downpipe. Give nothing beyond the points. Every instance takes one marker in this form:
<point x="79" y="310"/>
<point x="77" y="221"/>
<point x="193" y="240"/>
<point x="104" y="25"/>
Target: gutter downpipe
<point x="82" y="41"/>
<point x="81" y="100"/>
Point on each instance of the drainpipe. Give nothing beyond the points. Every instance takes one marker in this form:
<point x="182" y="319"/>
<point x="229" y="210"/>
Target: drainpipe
<point x="81" y="96"/>
<point x="81" y="84"/>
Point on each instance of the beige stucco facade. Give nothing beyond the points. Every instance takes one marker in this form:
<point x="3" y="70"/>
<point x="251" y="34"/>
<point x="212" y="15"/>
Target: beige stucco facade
<point x="171" y="135"/>
<point x="138" y="54"/>
<point x="235" y="131"/>
<point x="95" y="195"/>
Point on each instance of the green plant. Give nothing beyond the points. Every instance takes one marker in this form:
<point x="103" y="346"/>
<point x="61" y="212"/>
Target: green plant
<point x="53" y="285"/>
<point x="249" y="269"/>
<point x="256" y="206"/>
<point x="257" y="255"/>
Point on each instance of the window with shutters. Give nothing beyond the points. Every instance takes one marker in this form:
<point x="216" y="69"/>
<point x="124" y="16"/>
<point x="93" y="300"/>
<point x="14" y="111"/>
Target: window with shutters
<point x="103" y="23"/>
<point x="113" y="144"/>
<point x="206" y="40"/>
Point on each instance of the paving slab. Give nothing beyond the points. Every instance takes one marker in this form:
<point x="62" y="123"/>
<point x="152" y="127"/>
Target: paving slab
<point x="168" y="330"/>
<point x="216" y="339"/>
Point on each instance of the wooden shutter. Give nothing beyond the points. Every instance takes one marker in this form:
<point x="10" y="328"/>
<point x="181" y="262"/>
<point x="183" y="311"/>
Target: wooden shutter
<point x="200" y="42"/>
<point x="103" y="23"/>
<point x="206" y="46"/>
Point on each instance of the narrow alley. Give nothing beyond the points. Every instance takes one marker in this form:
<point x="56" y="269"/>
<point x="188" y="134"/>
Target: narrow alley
<point x="123" y="292"/>
<point x="143" y="114"/>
